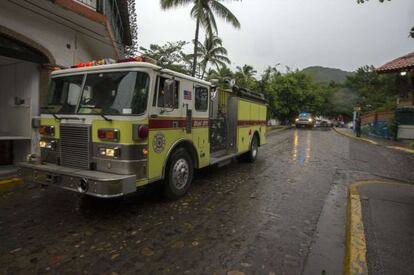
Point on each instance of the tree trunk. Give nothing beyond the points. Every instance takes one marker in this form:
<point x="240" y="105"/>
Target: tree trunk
<point x="204" y="71"/>
<point x="196" y="47"/>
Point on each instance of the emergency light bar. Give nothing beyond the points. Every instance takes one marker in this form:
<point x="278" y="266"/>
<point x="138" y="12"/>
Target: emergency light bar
<point x="107" y="61"/>
<point x="104" y="61"/>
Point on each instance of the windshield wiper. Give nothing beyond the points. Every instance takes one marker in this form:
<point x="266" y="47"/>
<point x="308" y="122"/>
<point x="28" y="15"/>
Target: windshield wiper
<point x="103" y="116"/>
<point x="47" y="108"/>
<point x="96" y="113"/>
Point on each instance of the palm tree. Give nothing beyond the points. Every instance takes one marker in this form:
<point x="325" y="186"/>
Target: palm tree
<point x="211" y="52"/>
<point x="247" y="71"/>
<point x="224" y="75"/>
<point x="204" y="11"/>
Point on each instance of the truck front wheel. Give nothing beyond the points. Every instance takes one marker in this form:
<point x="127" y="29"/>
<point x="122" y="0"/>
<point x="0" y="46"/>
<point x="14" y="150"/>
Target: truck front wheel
<point x="179" y="174"/>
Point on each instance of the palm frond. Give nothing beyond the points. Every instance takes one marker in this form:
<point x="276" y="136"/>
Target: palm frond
<point x="168" y="4"/>
<point x="224" y="13"/>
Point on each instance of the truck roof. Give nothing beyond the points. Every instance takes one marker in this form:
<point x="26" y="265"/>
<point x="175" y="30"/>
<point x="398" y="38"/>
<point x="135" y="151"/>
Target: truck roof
<point x="126" y="65"/>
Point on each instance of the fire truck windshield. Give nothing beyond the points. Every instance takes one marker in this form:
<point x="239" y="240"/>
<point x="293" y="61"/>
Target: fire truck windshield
<point x="108" y="93"/>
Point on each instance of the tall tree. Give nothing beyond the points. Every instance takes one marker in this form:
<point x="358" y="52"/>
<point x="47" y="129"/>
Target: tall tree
<point x="204" y="11"/>
<point x="169" y="55"/>
<point x="212" y="52"/>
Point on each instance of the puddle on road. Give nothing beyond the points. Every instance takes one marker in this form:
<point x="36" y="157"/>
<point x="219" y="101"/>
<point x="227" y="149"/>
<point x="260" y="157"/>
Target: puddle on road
<point x="301" y="147"/>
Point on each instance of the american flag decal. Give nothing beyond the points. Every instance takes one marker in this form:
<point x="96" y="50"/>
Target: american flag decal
<point x="187" y="95"/>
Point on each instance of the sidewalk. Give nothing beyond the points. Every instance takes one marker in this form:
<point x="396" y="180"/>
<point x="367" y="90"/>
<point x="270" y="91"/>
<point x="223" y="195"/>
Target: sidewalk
<point x="396" y="145"/>
<point x="380" y="228"/>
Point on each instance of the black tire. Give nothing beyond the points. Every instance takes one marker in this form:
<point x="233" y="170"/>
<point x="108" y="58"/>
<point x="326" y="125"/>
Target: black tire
<point x="251" y="156"/>
<point x="179" y="174"/>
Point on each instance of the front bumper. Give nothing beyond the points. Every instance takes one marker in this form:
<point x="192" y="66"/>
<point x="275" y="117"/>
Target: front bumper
<point x="304" y="123"/>
<point x="94" y="183"/>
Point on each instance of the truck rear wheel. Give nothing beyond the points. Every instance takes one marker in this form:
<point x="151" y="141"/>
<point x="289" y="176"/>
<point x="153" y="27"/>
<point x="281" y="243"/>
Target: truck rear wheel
<point x="251" y="156"/>
<point x="179" y="174"/>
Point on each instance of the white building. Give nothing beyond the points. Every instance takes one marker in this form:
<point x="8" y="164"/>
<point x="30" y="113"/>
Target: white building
<point x="37" y="35"/>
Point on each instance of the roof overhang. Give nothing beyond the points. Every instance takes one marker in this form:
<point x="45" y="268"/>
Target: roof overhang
<point x="402" y="64"/>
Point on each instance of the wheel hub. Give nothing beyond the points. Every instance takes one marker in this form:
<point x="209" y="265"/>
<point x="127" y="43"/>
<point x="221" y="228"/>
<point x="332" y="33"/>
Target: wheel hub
<point x="180" y="174"/>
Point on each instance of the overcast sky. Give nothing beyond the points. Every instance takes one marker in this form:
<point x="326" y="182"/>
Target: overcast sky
<point x="296" y="33"/>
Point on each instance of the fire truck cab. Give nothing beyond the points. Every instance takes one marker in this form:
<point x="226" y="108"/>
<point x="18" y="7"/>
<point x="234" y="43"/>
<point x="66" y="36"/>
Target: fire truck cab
<point x="109" y="128"/>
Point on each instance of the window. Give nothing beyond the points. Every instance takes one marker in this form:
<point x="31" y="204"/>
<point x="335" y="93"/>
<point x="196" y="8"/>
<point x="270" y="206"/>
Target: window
<point x="161" y="91"/>
<point x="201" y="99"/>
<point x="116" y="93"/>
<point x="64" y="93"/>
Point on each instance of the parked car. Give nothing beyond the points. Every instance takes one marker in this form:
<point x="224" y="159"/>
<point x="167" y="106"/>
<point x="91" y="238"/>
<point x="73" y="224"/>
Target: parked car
<point x="305" y="120"/>
<point x="323" y="122"/>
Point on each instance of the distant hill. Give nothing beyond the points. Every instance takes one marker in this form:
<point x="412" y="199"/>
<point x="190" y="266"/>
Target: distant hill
<point x="322" y="74"/>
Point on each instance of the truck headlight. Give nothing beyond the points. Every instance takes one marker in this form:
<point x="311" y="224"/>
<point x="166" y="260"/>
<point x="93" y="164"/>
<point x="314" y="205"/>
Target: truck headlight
<point x="297" y="119"/>
<point x="110" y="152"/>
<point x="310" y="120"/>
<point x="48" y="144"/>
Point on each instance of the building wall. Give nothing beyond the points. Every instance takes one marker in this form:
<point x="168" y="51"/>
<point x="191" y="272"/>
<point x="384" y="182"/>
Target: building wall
<point x="64" y="40"/>
<point x="66" y="45"/>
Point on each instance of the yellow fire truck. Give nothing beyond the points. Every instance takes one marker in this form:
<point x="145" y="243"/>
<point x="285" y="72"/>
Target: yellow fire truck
<point x="109" y="128"/>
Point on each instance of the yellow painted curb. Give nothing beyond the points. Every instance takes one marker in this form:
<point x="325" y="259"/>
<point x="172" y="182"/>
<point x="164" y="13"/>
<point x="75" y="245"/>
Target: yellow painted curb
<point x="354" y="137"/>
<point x="10" y="183"/>
<point x="356" y="248"/>
<point x="401" y="149"/>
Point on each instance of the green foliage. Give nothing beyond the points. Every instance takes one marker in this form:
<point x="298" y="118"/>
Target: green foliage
<point x="292" y="93"/>
<point x="223" y="75"/>
<point x="170" y="55"/>
<point x="288" y="93"/>
<point x="375" y="92"/>
<point x="245" y="77"/>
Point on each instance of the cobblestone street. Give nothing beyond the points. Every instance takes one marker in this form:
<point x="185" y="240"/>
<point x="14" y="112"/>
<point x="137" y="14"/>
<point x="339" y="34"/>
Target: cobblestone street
<point x="256" y="218"/>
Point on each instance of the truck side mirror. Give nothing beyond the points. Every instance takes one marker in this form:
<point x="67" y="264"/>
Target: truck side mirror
<point x="169" y="93"/>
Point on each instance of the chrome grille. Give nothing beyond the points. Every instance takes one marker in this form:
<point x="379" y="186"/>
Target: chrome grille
<point x="75" y="146"/>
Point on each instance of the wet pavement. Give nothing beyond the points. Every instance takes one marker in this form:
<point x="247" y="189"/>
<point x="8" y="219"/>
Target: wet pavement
<point x="387" y="212"/>
<point x="270" y="217"/>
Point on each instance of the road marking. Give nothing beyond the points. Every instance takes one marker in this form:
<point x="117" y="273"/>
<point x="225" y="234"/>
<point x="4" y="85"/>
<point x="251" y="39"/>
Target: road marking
<point x="10" y="183"/>
<point x="356" y="248"/>
<point x="354" y="137"/>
